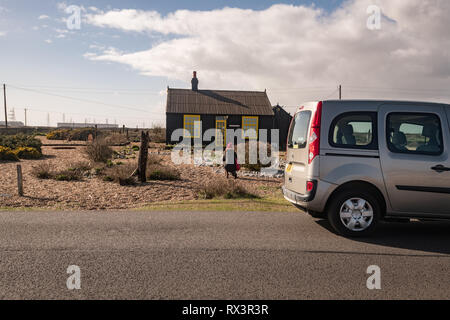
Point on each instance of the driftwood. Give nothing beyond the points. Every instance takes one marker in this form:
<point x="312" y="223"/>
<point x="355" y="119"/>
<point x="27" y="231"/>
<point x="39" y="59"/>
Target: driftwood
<point x="141" y="170"/>
<point x="19" y="180"/>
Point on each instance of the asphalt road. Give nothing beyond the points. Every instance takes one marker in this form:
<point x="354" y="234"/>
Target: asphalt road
<point x="210" y="255"/>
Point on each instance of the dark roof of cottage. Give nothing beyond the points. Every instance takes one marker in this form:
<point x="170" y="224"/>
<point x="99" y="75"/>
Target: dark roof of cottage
<point x="219" y="102"/>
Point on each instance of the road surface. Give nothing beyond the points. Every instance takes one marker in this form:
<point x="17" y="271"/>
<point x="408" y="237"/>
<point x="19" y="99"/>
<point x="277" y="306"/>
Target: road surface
<point x="215" y="255"/>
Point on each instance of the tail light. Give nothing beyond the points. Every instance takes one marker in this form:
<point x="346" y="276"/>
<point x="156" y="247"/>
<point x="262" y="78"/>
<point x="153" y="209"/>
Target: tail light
<point x="314" y="136"/>
<point x="309" y="186"/>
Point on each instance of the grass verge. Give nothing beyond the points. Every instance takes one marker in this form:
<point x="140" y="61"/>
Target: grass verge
<point x="248" y="205"/>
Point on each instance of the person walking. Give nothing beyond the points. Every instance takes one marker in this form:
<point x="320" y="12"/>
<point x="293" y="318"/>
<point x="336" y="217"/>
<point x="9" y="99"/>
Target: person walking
<point x="231" y="161"/>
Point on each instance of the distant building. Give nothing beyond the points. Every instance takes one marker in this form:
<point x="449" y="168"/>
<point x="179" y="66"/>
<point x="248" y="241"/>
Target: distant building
<point x="13" y="124"/>
<point x="87" y="125"/>
<point x="217" y="109"/>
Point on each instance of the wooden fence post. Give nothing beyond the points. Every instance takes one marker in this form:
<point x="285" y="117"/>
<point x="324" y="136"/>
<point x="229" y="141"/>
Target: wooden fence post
<point x="143" y="157"/>
<point x="19" y="180"/>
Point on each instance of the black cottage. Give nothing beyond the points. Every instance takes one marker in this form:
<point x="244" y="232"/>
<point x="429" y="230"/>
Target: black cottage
<point x="217" y="109"/>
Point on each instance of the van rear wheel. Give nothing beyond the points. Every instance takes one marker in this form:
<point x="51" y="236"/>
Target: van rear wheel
<point x="354" y="213"/>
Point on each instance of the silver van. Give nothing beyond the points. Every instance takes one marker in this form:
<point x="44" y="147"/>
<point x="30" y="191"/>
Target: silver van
<point x="359" y="162"/>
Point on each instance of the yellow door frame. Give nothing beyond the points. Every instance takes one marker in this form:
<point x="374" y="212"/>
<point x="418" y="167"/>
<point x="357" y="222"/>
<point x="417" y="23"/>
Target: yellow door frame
<point x="223" y="130"/>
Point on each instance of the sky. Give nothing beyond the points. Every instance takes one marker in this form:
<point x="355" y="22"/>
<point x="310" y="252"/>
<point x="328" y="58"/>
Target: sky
<point x="117" y="65"/>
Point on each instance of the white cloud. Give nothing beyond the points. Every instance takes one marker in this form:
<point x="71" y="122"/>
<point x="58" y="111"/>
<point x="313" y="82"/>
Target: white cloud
<point x="2" y="33"/>
<point x="288" y="46"/>
<point x="43" y="17"/>
<point x="49" y="41"/>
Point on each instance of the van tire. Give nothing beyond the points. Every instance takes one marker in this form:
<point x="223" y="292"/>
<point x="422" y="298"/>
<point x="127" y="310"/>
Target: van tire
<point x="338" y="204"/>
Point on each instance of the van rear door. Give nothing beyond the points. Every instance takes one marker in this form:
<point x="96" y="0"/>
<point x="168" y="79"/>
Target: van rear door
<point x="298" y="170"/>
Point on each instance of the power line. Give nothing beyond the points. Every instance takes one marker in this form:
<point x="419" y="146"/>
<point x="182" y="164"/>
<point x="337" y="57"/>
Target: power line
<point x="332" y="93"/>
<point x="84" y="100"/>
<point x="87" y="88"/>
<point x="400" y="92"/>
<point x="368" y="88"/>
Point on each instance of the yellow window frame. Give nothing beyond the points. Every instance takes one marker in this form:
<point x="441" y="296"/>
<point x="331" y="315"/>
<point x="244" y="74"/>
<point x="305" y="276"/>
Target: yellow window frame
<point x="246" y="126"/>
<point x="189" y="121"/>
<point x="221" y="129"/>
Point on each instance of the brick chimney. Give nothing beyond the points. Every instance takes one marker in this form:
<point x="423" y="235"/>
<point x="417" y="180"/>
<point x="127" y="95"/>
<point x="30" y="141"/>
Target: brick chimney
<point x="194" y="82"/>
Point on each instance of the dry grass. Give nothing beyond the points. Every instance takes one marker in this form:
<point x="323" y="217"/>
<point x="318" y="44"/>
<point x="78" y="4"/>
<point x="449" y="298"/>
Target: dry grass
<point x="223" y="188"/>
<point x="98" y="151"/>
<point x="162" y="173"/>
<point x="94" y="193"/>
<point x="116" y="139"/>
<point x="43" y="170"/>
<point x="158" y="134"/>
<point x="121" y="174"/>
<point x="154" y="159"/>
<point x="74" y="172"/>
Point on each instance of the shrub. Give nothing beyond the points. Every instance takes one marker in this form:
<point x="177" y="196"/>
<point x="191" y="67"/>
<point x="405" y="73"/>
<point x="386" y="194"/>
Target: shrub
<point x="136" y="148"/>
<point x="20" y="140"/>
<point x="161" y="173"/>
<point x="108" y="179"/>
<point x="154" y="159"/>
<point x="109" y="163"/>
<point x="60" y="134"/>
<point x="227" y="189"/>
<point x="121" y="174"/>
<point x="116" y="139"/>
<point x="69" y="175"/>
<point x="27" y="153"/>
<point x="158" y="134"/>
<point x="6" y="154"/>
<point x="81" y="134"/>
<point x="82" y="166"/>
<point x="98" y="151"/>
<point x="43" y="171"/>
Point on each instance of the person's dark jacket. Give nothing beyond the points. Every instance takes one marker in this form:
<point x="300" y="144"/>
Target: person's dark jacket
<point x="230" y="159"/>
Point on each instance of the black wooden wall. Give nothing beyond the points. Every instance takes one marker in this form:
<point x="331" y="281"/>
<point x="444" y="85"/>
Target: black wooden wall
<point x="175" y="121"/>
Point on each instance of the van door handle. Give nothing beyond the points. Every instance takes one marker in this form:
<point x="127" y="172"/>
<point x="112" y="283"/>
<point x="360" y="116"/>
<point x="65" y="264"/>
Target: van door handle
<point x="440" y="168"/>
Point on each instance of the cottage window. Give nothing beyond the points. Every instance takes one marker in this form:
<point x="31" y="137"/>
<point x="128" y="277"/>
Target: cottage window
<point x="250" y="123"/>
<point x="189" y="125"/>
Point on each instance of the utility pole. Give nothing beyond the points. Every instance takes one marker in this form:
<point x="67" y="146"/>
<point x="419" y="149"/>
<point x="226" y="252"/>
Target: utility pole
<point x="6" y="112"/>
<point x="25" y="117"/>
<point x="340" y="92"/>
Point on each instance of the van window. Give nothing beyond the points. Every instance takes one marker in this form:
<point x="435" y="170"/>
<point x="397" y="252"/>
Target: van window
<point x="298" y="137"/>
<point x="416" y="133"/>
<point x="355" y="130"/>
